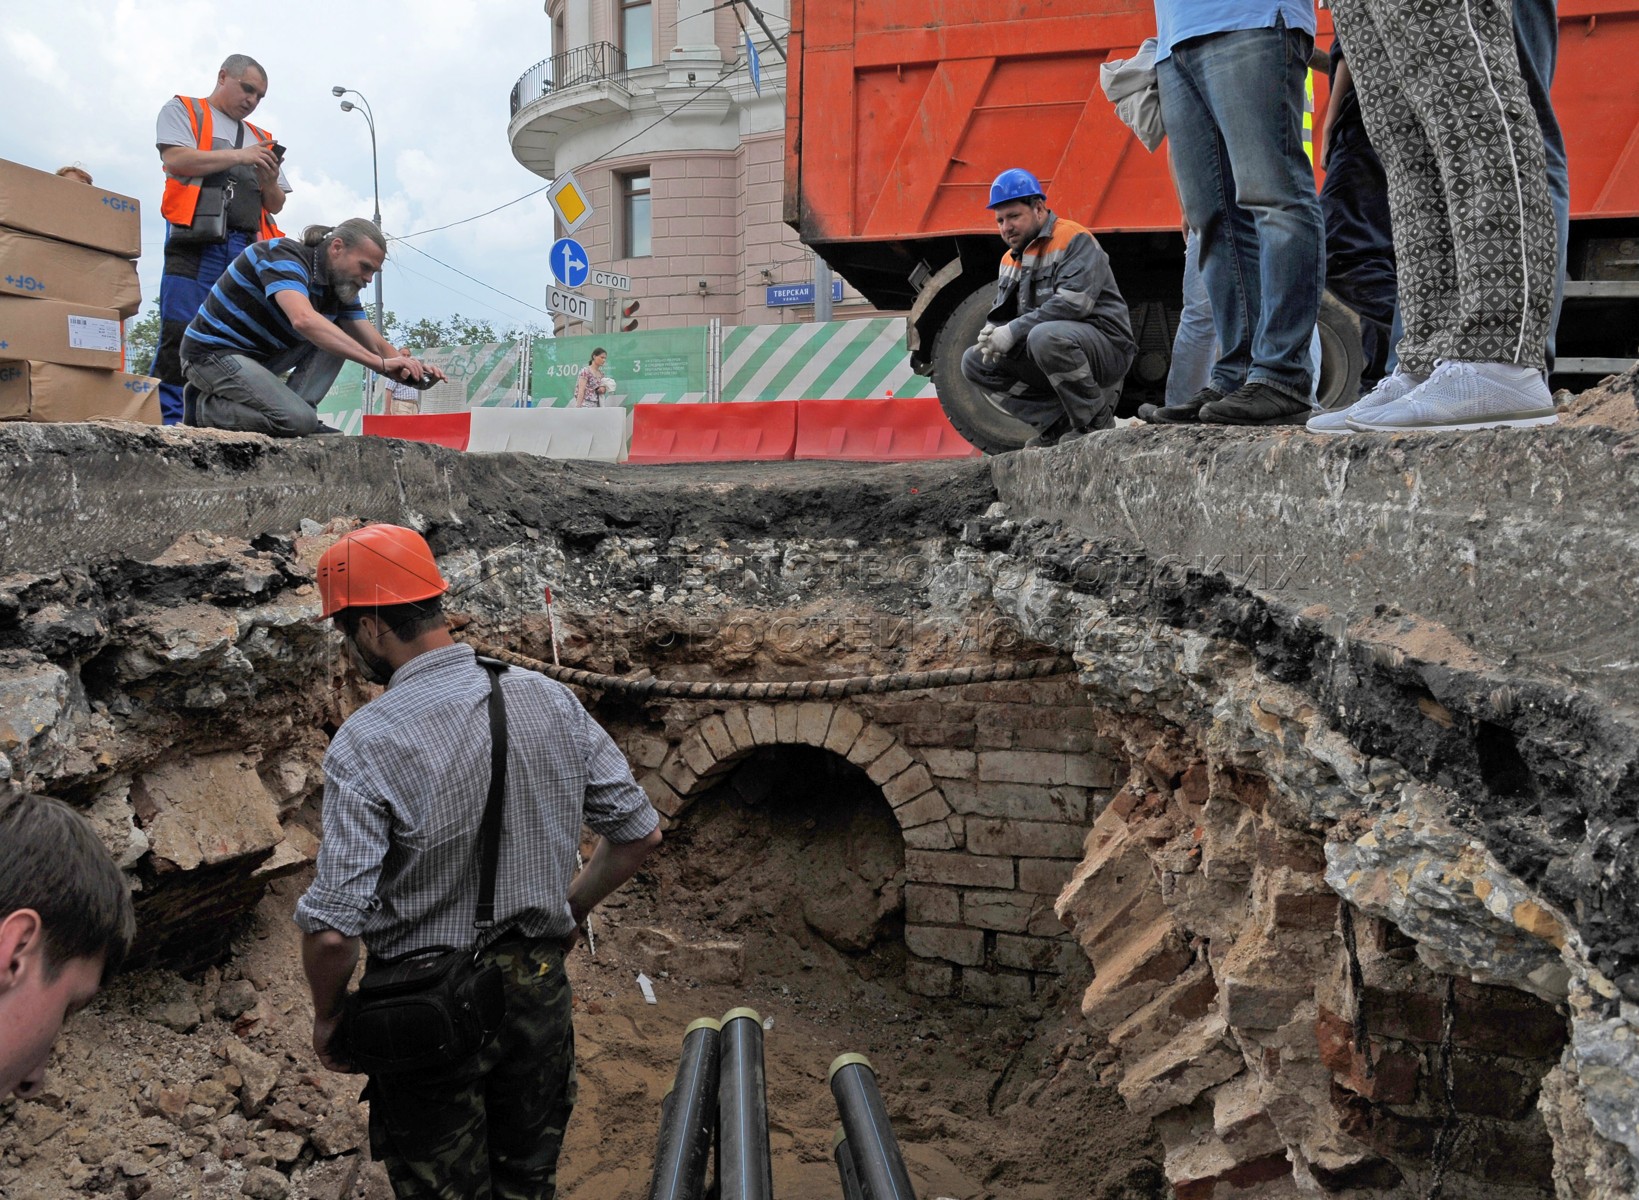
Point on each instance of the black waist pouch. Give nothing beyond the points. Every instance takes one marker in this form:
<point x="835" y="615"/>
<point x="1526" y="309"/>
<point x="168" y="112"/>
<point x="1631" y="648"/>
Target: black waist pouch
<point x="210" y="219"/>
<point x="423" y="1013"/>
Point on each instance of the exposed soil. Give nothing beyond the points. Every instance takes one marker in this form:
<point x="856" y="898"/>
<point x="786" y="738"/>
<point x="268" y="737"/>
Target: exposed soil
<point x="791" y="872"/>
<point x="1613" y="403"/>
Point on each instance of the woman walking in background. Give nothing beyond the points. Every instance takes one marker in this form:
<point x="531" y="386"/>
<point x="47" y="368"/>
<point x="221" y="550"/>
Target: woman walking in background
<point x="592" y="385"/>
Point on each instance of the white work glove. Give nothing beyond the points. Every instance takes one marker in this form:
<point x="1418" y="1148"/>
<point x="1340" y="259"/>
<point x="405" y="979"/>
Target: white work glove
<point x="1002" y="340"/>
<point x="986" y="354"/>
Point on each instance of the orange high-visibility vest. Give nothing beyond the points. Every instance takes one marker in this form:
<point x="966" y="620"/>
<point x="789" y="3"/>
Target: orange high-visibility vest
<point x="181" y="195"/>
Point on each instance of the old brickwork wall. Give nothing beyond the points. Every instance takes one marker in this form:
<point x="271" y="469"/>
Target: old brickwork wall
<point x="994" y="787"/>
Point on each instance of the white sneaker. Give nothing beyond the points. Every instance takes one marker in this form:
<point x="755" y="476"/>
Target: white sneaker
<point x="1464" y="395"/>
<point x="1389" y="389"/>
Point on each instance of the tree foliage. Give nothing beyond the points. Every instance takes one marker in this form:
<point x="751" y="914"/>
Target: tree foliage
<point x="142" y="334"/>
<point x="142" y="339"/>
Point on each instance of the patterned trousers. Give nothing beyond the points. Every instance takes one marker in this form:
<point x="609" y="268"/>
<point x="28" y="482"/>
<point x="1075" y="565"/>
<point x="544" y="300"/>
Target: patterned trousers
<point x="1474" y="236"/>
<point x="493" y="1130"/>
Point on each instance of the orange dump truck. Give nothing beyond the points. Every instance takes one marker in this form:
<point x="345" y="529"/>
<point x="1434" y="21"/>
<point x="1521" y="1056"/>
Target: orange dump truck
<point x="900" y="112"/>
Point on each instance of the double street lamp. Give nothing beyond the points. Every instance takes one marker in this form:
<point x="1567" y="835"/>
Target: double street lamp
<point x="375" y="178"/>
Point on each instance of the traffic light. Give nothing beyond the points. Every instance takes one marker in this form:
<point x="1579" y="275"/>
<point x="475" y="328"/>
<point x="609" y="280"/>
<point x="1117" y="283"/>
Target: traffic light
<point x="628" y="316"/>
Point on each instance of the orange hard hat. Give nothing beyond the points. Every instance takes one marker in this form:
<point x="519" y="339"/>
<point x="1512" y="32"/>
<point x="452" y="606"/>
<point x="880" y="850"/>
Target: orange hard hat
<point x="378" y="565"/>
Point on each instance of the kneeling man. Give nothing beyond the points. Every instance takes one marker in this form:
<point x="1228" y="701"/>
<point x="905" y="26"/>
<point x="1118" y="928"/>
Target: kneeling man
<point x="288" y="305"/>
<point x="1059" y="337"/>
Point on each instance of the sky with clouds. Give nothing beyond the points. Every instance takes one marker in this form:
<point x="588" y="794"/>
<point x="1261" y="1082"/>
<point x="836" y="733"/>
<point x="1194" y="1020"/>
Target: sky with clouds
<point x="85" y="81"/>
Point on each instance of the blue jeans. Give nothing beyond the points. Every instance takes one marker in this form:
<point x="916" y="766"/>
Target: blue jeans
<point x="1195" y="345"/>
<point x="238" y="392"/>
<point x="1233" y="108"/>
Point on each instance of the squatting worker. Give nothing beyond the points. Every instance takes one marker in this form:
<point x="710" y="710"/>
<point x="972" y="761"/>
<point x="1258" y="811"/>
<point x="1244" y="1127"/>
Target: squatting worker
<point x="207" y="144"/>
<point x="1059" y="337"/>
<point x="65" y="926"/>
<point x="406" y="779"/>
<point x="290" y="305"/>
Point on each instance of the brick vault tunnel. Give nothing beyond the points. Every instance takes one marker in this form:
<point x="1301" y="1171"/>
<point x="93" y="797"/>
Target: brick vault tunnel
<point x="1251" y="817"/>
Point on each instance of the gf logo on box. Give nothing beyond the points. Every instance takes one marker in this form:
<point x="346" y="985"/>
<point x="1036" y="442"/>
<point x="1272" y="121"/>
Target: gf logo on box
<point x="140" y="386"/>
<point x="120" y="203"/>
<point x="7" y="374"/>
<point x="25" y="283"/>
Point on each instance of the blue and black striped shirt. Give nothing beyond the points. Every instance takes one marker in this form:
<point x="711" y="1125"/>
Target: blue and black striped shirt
<point x="240" y="316"/>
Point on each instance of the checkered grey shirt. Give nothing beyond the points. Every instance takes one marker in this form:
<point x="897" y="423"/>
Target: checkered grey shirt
<point x="406" y="778"/>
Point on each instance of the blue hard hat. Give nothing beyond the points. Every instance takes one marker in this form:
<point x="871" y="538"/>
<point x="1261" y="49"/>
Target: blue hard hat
<point x="1015" y="183"/>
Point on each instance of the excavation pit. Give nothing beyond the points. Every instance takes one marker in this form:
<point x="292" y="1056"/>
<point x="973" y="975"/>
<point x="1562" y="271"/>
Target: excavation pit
<point x="1308" y="877"/>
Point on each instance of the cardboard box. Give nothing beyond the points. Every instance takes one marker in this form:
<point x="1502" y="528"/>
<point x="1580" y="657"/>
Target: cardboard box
<point x="45" y="269"/>
<point x="77" y="335"/>
<point x="71" y="211"/>
<point x="39" y="391"/>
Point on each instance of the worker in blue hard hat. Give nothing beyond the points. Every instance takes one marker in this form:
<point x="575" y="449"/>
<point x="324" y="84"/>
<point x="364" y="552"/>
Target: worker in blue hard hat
<point x="1058" y="340"/>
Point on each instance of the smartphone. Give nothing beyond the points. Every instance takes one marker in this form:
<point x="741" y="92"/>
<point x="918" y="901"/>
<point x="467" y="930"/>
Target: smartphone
<point x="278" y="152"/>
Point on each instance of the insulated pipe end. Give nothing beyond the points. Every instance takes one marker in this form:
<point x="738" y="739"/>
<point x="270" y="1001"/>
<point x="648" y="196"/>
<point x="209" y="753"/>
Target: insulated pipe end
<point x="711" y="1023"/>
<point x="846" y="1060"/>
<point x="837" y="1138"/>
<point x="735" y="1014"/>
<point x="667" y="1094"/>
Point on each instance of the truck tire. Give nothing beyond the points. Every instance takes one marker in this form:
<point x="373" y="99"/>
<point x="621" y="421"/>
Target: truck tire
<point x="1342" y="356"/>
<point x="969" y="409"/>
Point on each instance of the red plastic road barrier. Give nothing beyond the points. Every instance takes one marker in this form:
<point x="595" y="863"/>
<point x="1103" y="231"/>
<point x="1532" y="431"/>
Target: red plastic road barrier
<point x="760" y="430"/>
<point x="878" y="430"/>
<point x="441" y="429"/>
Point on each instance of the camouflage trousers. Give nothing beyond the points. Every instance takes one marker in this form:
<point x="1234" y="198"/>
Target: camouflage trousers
<point x="490" y="1130"/>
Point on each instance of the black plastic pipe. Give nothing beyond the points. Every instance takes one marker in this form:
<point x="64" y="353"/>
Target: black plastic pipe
<point x="844" y="1158"/>
<point x="688" y="1118"/>
<point x="870" y="1139"/>
<point x="744" y="1169"/>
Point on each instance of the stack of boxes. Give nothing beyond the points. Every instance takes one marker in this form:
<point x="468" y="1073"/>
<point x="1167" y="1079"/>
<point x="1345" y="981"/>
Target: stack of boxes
<point x="67" y="280"/>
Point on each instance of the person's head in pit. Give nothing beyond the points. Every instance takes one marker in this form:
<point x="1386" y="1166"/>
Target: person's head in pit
<point x="382" y="587"/>
<point x="66" y="924"/>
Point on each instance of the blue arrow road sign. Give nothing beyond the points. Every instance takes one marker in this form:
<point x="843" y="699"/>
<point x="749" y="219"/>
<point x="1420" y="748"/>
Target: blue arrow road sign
<point x="569" y="265"/>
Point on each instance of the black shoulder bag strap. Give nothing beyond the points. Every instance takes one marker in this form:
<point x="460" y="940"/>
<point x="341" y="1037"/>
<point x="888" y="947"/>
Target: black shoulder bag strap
<point x="489" y="833"/>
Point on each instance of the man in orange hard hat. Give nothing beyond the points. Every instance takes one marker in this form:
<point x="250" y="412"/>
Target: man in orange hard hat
<point x="406" y="783"/>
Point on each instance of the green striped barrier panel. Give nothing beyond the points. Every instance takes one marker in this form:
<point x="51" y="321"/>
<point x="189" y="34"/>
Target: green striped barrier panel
<point x="832" y="360"/>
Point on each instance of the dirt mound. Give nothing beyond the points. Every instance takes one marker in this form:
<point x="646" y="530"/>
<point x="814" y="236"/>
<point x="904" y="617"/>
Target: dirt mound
<point x="1613" y="403"/>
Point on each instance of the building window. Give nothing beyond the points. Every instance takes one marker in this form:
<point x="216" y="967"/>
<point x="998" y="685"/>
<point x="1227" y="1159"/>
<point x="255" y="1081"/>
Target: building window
<point x="637" y="32"/>
<point x="634" y="216"/>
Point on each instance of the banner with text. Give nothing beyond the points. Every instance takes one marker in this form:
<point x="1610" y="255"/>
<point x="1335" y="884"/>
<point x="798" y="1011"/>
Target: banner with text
<point x="658" y="366"/>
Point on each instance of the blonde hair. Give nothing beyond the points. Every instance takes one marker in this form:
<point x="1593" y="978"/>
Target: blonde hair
<point x="75" y="172"/>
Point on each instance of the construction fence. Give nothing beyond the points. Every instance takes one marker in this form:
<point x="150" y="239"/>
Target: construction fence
<point x="833" y="360"/>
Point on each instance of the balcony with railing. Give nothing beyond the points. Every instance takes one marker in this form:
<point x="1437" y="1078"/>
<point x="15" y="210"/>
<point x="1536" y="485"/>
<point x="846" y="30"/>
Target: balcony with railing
<point x="584" y="64"/>
<point x="553" y="95"/>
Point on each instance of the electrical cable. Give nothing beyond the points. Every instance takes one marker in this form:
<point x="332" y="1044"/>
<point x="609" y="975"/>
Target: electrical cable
<point x="474" y="278"/>
<point x="511" y="316"/>
<point x="519" y="200"/>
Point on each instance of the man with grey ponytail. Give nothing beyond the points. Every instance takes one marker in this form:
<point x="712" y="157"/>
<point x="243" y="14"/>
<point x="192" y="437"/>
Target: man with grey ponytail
<point x="289" y="306"/>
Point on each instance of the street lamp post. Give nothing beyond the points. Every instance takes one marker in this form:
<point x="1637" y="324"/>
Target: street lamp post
<point x="375" y="181"/>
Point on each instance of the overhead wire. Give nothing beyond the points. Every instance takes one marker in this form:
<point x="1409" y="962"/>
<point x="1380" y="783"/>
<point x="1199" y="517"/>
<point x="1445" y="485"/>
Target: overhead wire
<point x="665" y="116"/>
<point x="510" y="316"/>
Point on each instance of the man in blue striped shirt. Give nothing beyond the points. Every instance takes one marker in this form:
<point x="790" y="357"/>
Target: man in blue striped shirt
<point x="289" y="305"/>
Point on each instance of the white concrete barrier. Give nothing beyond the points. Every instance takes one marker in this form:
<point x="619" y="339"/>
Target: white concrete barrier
<point x="596" y="434"/>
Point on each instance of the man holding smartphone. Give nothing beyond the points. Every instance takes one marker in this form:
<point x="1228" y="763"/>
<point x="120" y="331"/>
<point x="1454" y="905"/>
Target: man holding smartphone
<point x="224" y="184"/>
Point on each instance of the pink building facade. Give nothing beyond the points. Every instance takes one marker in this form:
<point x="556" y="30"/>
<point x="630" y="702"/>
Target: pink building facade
<point x="651" y="106"/>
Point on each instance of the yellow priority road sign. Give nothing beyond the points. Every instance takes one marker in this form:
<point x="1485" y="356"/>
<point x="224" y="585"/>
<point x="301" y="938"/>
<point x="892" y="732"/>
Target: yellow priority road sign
<point x="571" y="203"/>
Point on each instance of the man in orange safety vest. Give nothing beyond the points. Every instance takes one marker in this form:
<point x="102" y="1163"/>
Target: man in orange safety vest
<point x="224" y="183"/>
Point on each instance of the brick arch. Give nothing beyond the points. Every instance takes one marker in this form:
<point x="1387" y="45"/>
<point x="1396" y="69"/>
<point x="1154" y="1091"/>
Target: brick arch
<point x="718" y="742"/>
